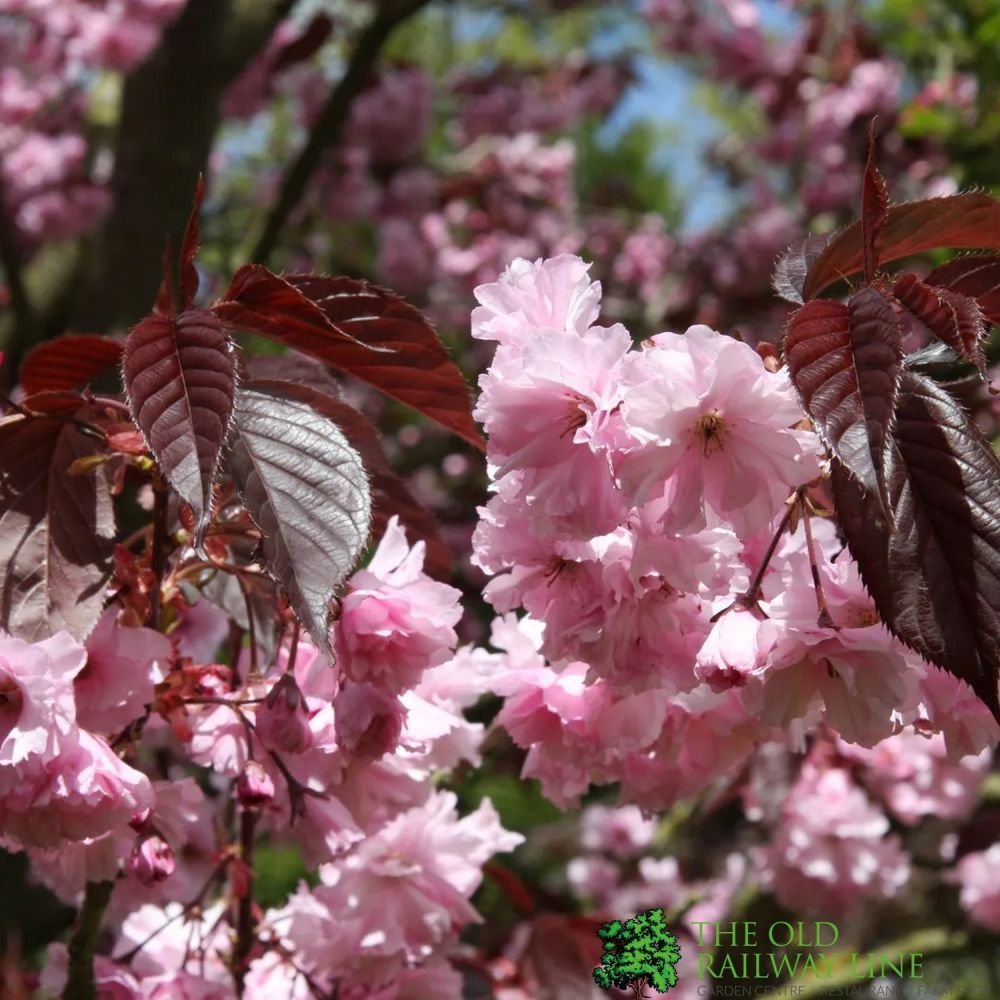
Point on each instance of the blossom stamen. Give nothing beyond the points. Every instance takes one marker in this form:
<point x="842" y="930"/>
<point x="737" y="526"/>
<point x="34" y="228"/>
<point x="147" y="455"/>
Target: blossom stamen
<point x="711" y="428"/>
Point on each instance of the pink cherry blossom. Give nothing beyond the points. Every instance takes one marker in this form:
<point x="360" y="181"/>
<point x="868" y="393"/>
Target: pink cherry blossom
<point x="123" y="665"/>
<point x="622" y="832"/>
<point x="85" y="792"/>
<point x="546" y="294"/>
<point x="714" y="432"/>
<point x="978" y="876"/>
<point x="732" y="652"/>
<point x="857" y="677"/>
<point x="37" y="707"/>
<point x="911" y="773"/>
<point x="395" y="620"/>
<point x="832" y="849"/>
<point x="369" y="722"/>
<point x="399" y="893"/>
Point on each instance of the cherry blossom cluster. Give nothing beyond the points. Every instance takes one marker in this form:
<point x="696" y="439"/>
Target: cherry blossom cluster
<point x="822" y="842"/>
<point x="340" y="761"/>
<point x="657" y="512"/>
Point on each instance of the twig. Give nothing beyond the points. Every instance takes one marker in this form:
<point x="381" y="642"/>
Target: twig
<point x="245" y="924"/>
<point x="752" y="595"/>
<point x="332" y="118"/>
<point x="81" y="985"/>
<point x="297" y="792"/>
<point x="254" y="672"/>
<point x="158" y="563"/>
<point x="183" y="912"/>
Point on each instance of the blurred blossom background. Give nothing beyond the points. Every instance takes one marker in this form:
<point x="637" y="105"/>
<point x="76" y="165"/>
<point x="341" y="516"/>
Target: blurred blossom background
<point x="678" y="146"/>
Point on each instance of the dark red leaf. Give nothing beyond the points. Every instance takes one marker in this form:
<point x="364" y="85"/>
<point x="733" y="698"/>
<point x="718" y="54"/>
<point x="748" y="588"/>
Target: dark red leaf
<point x="61" y="402"/>
<point x="955" y="319"/>
<point x="935" y="579"/>
<point x="416" y="370"/>
<point x="845" y="361"/>
<point x="390" y="495"/>
<point x="963" y="221"/>
<point x="874" y="207"/>
<point x="179" y="378"/>
<point x="977" y="276"/>
<point x="189" y="248"/>
<point x="793" y="266"/>
<point x="561" y="954"/>
<point x="293" y="367"/>
<point x="265" y="303"/>
<point x="306" y="489"/>
<point x="69" y="362"/>
<point x="56" y="529"/>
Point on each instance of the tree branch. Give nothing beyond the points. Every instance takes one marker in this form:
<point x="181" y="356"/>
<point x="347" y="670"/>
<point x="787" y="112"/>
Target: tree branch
<point x="245" y="925"/>
<point x="80" y="985"/>
<point x="332" y="118"/>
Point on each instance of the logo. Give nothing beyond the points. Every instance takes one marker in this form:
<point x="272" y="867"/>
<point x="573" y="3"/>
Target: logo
<point x="638" y="953"/>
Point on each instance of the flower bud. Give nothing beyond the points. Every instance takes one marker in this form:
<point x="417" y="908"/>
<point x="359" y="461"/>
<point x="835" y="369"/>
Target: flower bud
<point x="254" y="787"/>
<point x="282" y="722"/>
<point x="151" y="860"/>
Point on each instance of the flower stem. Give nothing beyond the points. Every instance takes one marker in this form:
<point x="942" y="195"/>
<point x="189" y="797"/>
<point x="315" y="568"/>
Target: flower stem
<point x="161" y="540"/>
<point x="825" y="618"/>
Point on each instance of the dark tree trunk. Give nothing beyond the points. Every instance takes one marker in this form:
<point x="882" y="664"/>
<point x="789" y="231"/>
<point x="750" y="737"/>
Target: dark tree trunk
<point x="169" y="115"/>
<point x="169" y="118"/>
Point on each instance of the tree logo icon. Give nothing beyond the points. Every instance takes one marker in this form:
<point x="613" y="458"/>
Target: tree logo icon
<point x="639" y="952"/>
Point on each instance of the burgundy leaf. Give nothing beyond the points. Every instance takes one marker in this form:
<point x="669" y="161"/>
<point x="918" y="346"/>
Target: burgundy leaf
<point x="57" y="402"/>
<point x="68" y="362"/>
<point x="793" y="266"/>
<point x="874" y="207"/>
<point x="844" y="361"/>
<point x="560" y="957"/>
<point x="306" y="489"/>
<point x="963" y="221"/>
<point x="977" y="276"/>
<point x="390" y="495"/>
<point x="954" y="318"/>
<point x="189" y="248"/>
<point x="179" y="378"/>
<point x="415" y="370"/>
<point x="935" y="579"/>
<point x="56" y="529"/>
<point x="293" y="367"/>
<point x="265" y="303"/>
